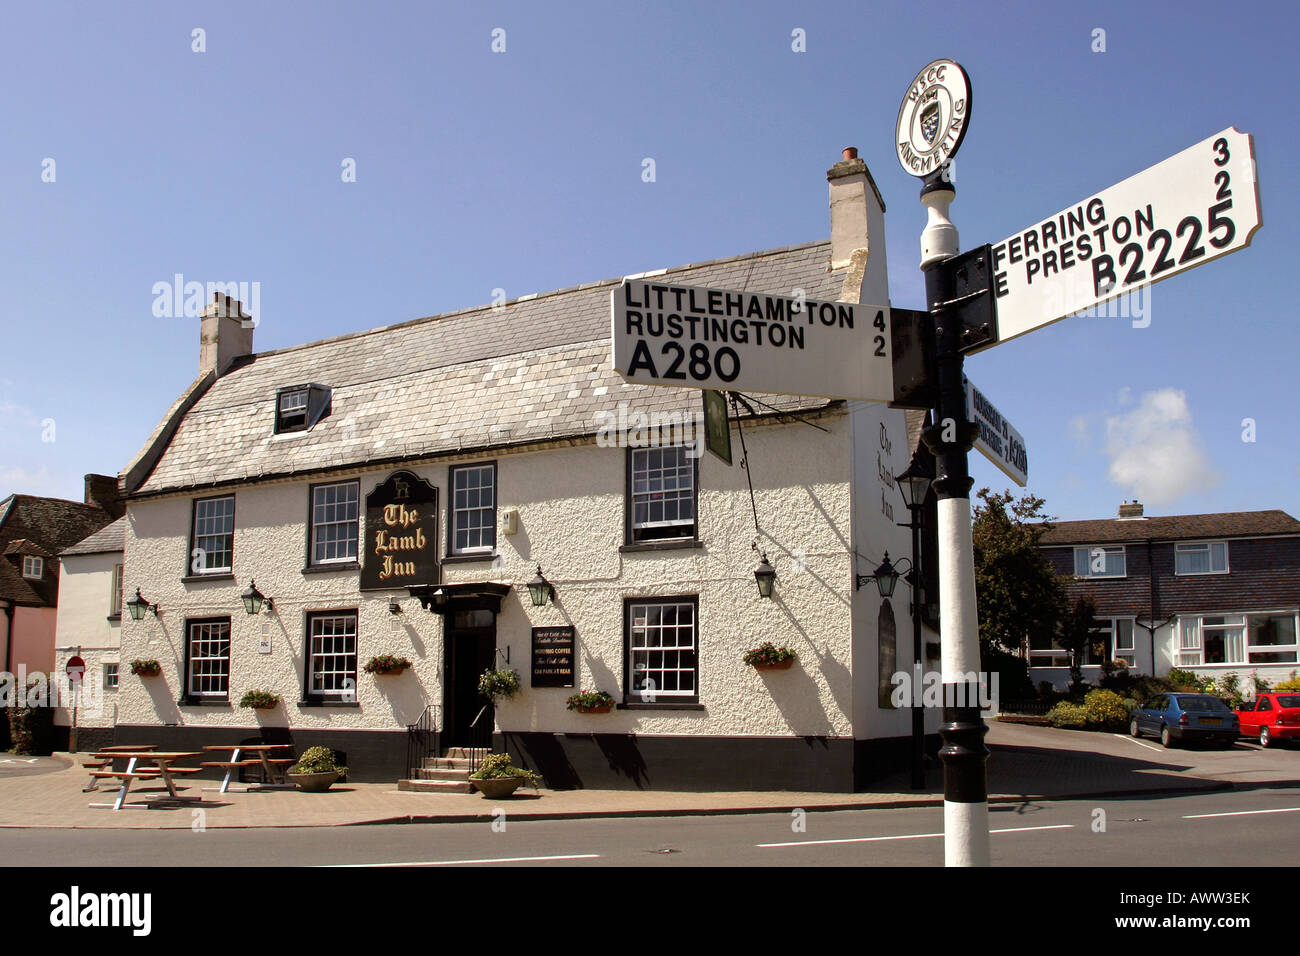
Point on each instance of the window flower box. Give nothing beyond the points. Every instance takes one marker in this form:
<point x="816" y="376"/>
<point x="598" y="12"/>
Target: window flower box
<point x="146" y="668"/>
<point x="387" y="664"/>
<point x="591" y="702"/>
<point x="260" y="700"/>
<point x="768" y="657"/>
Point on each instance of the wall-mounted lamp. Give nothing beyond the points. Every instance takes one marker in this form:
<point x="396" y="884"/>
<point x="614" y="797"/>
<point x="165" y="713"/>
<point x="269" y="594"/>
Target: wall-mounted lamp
<point x="394" y="607"/>
<point x="540" y="589"/>
<point x="138" y="605"/>
<point x="886" y="576"/>
<point x="254" y="600"/>
<point x="765" y="575"/>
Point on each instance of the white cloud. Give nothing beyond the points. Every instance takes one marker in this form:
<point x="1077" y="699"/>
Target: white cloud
<point x="1155" y="451"/>
<point x="18" y="480"/>
<point x="1077" y="429"/>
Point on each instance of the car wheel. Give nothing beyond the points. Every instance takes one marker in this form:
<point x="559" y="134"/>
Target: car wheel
<point x="1133" y="728"/>
<point x="1166" y="737"/>
<point x="1265" y="738"/>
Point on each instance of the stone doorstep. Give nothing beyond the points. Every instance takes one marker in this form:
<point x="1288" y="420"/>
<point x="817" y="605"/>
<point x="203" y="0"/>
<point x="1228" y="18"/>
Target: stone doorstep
<point x="446" y="763"/>
<point x="464" y="753"/>
<point x="440" y="773"/>
<point x="436" y="786"/>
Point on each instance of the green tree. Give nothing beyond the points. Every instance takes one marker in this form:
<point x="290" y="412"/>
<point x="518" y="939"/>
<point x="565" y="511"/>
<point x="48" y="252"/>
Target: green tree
<point x="1017" y="592"/>
<point x="1075" y="635"/>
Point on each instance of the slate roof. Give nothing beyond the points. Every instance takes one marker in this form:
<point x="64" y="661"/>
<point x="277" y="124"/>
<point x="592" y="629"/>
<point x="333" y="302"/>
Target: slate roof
<point x="50" y="524"/>
<point x="535" y="369"/>
<point x="1233" y="524"/>
<point x="107" y="539"/>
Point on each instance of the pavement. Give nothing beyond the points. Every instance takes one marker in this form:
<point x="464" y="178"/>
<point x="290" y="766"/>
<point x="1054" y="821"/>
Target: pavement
<point x="1026" y="764"/>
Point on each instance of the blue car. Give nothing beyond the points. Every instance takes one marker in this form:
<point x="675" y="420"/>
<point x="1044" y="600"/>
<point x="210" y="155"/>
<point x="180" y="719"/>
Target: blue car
<point x="1179" y="718"/>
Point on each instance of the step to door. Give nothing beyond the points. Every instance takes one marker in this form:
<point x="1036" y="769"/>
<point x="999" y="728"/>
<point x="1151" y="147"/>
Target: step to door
<point x="440" y="773"/>
<point x="447" y="763"/>
<point x="464" y="753"/>
<point x="436" y="786"/>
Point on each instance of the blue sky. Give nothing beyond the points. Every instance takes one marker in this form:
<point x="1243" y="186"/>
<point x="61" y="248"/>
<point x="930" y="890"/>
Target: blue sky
<point x="521" y="170"/>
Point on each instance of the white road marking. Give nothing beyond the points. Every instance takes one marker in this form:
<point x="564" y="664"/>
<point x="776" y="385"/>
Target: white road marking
<point x="503" y="859"/>
<point x="910" y="836"/>
<point x="1140" y="743"/>
<point x="1238" y="813"/>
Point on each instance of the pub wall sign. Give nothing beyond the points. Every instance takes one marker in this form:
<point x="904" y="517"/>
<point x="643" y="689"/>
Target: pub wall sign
<point x="553" y="656"/>
<point x="401" y="543"/>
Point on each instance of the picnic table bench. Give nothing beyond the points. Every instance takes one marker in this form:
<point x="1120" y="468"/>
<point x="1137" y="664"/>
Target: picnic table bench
<point x="162" y="770"/>
<point x="103" y="759"/>
<point x="273" y="768"/>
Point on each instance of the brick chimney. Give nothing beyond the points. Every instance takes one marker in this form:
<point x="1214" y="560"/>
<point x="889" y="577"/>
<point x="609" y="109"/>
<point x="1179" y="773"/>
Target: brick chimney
<point x="101" y="490"/>
<point x="858" y="224"/>
<point x="1131" y="509"/>
<point x="225" y="333"/>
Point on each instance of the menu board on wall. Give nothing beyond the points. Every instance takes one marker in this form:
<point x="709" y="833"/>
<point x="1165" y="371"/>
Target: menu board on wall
<point x="401" y="542"/>
<point x="553" y="656"/>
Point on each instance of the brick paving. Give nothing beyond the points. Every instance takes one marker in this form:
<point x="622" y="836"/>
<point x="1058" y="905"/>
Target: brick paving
<point x="1026" y="763"/>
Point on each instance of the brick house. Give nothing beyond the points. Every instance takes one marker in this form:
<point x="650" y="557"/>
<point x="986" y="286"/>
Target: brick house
<point x="1214" y="594"/>
<point x="33" y="530"/>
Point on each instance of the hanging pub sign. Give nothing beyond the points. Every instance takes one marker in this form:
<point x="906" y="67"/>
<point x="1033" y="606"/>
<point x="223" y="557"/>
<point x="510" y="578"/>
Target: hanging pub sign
<point x="401" y="542"/>
<point x="553" y="656"/>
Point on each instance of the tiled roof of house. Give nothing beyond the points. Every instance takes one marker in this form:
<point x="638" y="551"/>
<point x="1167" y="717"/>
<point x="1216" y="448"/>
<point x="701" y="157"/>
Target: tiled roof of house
<point x="107" y="539"/>
<point x="51" y="524"/>
<point x="1172" y="528"/>
<point x="535" y="369"/>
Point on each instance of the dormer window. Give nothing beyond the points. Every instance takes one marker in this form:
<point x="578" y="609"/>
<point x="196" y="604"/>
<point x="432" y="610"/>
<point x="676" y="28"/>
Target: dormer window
<point x="33" y="567"/>
<point x="298" y="408"/>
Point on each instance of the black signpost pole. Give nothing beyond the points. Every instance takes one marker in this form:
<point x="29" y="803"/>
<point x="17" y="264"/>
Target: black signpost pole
<point x="965" y="788"/>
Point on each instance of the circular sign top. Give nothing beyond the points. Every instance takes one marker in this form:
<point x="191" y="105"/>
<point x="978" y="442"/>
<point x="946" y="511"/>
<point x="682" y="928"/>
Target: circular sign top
<point x="76" y="668"/>
<point x="933" y="118"/>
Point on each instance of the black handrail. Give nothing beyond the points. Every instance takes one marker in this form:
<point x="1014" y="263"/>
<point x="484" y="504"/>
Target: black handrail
<point x="422" y="740"/>
<point x="480" y="737"/>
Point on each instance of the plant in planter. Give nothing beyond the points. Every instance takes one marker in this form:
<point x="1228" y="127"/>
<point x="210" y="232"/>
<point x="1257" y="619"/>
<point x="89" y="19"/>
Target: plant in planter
<point x="498" y="777"/>
<point x="590" y="702"/>
<point x="316" y="771"/>
<point x="386" y="664"/>
<point x="768" y="657"/>
<point x="260" y="700"/>
<point x="146" y="668"/>
<point x="498" y="683"/>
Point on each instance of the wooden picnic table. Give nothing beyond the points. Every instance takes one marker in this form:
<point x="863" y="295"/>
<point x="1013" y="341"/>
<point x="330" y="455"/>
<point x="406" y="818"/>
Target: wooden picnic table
<point x="103" y="760"/>
<point x="273" y="767"/>
<point x="162" y="769"/>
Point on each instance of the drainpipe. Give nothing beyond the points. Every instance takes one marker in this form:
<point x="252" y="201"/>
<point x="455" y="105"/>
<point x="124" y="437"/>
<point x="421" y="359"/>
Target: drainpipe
<point x="8" y="608"/>
<point x="1154" y="603"/>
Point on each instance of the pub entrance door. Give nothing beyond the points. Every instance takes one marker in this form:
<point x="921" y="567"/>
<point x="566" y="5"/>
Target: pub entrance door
<point x="469" y="646"/>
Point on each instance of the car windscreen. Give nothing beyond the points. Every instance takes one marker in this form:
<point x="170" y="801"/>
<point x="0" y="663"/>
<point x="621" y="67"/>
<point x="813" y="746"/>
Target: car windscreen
<point x="1288" y="700"/>
<point x="1202" y="704"/>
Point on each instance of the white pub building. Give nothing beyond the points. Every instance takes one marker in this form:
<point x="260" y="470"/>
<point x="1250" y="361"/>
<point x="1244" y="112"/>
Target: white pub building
<point x="394" y="492"/>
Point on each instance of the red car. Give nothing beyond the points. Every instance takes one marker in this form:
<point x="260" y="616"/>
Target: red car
<point x="1270" y="717"/>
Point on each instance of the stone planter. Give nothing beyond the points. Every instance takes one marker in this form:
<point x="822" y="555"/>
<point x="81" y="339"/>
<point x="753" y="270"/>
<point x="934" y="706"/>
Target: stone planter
<point x="315" y="782"/>
<point x="494" y="788"/>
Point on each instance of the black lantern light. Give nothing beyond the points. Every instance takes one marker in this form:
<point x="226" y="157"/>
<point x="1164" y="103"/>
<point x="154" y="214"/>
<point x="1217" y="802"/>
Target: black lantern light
<point x="394" y="607"/>
<point x="138" y="605"/>
<point x="913" y="485"/>
<point x="254" y="599"/>
<point x="886" y="577"/>
<point x="765" y="575"/>
<point x="540" y="589"/>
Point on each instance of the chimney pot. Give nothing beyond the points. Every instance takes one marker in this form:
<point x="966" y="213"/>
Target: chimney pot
<point x="850" y="152"/>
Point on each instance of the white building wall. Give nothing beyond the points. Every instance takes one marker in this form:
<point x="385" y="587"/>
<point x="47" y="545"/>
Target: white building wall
<point x="571" y="507"/>
<point x="85" y="599"/>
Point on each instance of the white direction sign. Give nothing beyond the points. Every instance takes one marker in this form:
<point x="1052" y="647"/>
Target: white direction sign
<point x="997" y="441"/>
<point x="1195" y="206"/>
<point x="669" y="334"/>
